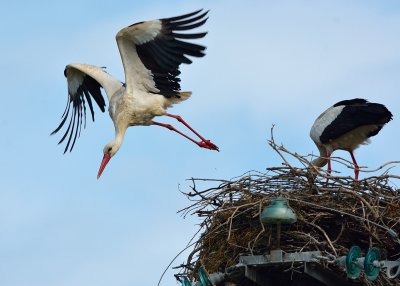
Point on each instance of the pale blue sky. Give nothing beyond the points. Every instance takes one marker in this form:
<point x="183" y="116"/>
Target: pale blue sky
<point x="267" y="62"/>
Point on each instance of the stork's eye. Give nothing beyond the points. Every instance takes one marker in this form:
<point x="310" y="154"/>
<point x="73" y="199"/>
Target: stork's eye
<point x="109" y="149"/>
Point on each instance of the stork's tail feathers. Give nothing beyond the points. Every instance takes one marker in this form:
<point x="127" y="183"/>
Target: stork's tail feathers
<point x="182" y="96"/>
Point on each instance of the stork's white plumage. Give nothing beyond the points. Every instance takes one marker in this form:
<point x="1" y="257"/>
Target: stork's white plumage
<point x="151" y="53"/>
<point x="345" y="126"/>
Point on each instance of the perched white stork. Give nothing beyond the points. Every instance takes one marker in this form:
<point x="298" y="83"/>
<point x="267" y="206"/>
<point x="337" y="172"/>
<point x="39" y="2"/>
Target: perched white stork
<point x="345" y="126"/>
<point x="151" y="53"/>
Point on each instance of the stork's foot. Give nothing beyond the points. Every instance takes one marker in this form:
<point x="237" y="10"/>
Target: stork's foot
<point x="208" y="145"/>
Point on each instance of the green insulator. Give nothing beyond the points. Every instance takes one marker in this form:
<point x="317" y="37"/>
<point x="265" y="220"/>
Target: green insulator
<point x="278" y="212"/>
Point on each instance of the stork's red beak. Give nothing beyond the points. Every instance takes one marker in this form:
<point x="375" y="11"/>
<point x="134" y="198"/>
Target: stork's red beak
<point x="103" y="165"/>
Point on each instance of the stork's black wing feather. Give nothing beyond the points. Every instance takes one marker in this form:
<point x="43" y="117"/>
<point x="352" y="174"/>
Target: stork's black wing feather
<point x="166" y="52"/>
<point x="81" y="86"/>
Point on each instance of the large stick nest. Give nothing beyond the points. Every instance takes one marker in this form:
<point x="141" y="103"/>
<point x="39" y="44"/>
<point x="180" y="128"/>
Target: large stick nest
<point x="333" y="215"/>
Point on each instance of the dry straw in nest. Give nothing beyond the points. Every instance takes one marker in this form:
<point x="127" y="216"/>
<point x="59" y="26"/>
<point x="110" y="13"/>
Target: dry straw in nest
<point x="334" y="213"/>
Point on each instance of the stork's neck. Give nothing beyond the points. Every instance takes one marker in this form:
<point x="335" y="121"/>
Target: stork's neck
<point x="322" y="160"/>
<point x="113" y="147"/>
<point x="119" y="136"/>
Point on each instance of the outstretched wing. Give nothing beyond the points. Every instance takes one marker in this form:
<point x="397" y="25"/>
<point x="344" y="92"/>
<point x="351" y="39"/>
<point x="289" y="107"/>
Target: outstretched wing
<point x="84" y="84"/>
<point x="152" y="52"/>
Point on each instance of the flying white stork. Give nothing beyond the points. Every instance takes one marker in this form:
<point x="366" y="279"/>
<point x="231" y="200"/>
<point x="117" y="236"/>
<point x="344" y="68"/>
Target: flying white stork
<point x="151" y="53"/>
<point x="345" y="126"/>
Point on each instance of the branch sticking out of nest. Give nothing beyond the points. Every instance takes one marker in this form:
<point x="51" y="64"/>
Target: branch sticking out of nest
<point x="333" y="214"/>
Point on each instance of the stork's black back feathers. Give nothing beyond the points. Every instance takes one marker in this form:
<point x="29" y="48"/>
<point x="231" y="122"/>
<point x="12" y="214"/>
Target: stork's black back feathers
<point x="355" y="101"/>
<point x="356" y="113"/>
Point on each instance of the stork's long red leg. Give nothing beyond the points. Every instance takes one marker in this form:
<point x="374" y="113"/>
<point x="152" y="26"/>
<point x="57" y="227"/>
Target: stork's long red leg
<point x="329" y="171"/>
<point x="356" y="168"/>
<point x="210" y="145"/>
<point x="177" y="117"/>
<point x="204" y="144"/>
